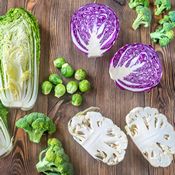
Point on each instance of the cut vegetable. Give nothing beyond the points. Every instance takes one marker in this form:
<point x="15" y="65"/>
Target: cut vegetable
<point x="5" y="139"/>
<point x="136" y="67"/>
<point x="94" y="29"/>
<point x="20" y="52"/>
<point x="152" y="134"/>
<point x="99" y="136"/>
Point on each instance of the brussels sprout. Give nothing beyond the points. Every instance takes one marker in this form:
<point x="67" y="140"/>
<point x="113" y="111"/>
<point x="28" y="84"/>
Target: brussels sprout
<point x="84" y="85"/>
<point x="55" y="79"/>
<point x="59" y="62"/>
<point x="67" y="71"/>
<point x="46" y="87"/>
<point x="72" y="87"/>
<point x="77" y="99"/>
<point x="60" y="90"/>
<point x="80" y="74"/>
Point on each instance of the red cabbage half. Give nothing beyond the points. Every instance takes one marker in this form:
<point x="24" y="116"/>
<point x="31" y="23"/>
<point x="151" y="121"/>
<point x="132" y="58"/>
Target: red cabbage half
<point x="136" y="67"/>
<point x="94" y="29"/>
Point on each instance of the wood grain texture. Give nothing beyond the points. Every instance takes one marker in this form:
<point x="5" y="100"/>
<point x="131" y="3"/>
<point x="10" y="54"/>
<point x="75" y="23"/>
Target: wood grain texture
<point x="54" y="19"/>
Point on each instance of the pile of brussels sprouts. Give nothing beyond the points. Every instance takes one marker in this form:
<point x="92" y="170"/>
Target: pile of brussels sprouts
<point x="74" y="87"/>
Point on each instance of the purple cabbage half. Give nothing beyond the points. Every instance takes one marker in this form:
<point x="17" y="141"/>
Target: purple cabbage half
<point x="94" y="29"/>
<point x="136" y="67"/>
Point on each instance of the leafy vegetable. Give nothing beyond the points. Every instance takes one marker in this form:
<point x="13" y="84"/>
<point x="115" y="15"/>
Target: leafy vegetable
<point x="143" y="17"/>
<point x="35" y="125"/>
<point x="60" y="90"/>
<point x="67" y="70"/>
<point x="153" y="135"/>
<point x="164" y="34"/>
<point x="136" y="67"/>
<point x="5" y="139"/>
<point x="19" y="59"/>
<point x="59" y="62"/>
<point x="94" y="29"/>
<point x="135" y="3"/>
<point x="72" y="87"/>
<point x="46" y="87"/>
<point x="80" y="74"/>
<point x="161" y="6"/>
<point x="99" y="136"/>
<point x="77" y="99"/>
<point x="55" y="79"/>
<point x="53" y="160"/>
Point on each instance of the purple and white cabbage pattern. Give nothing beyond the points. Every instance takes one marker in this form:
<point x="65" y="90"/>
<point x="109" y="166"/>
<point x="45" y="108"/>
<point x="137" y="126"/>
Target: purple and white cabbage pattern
<point x="94" y="29"/>
<point x="136" y="67"/>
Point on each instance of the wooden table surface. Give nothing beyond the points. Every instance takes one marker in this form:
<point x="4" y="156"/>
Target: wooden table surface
<point x="54" y="19"/>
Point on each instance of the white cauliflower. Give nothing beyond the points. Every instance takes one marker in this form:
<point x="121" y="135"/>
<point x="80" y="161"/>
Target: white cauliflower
<point x="153" y="135"/>
<point x="99" y="136"/>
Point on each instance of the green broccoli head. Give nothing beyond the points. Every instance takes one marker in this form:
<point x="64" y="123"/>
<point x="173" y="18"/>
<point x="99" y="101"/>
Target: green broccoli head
<point x="163" y="35"/>
<point x="53" y="160"/>
<point x="135" y="3"/>
<point x="36" y="124"/>
<point x="143" y="18"/>
<point x="170" y="18"/>
<point x="161" y="6"/>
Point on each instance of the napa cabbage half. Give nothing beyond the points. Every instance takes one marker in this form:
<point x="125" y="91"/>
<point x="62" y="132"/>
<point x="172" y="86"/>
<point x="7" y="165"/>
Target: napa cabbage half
<point x="19" y="59"/>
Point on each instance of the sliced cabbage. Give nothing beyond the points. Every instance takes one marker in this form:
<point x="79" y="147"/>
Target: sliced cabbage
<point x="136" y="67"/>
<point x="153" y="135"/>
<point x="19" y="59"/>
<point x="6" y="142"/>
<point x="94" y="29"/>
<point x="99" y="136"/>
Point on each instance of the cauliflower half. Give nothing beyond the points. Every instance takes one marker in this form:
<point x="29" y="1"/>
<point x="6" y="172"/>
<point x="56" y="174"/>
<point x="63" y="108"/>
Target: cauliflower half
<point x="153" y="135"/>
<point x="99" y="136"/>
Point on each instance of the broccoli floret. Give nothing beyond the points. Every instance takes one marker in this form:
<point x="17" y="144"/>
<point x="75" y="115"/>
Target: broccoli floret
<point x="36" y="124"/>
<point x="53" y="160"/>
<point x="170" y="18"/>
<point x="163" y="35"/>
<point x="135" y="3"/>
<point x="144" y="17"/>
<point x="161" y="6"/>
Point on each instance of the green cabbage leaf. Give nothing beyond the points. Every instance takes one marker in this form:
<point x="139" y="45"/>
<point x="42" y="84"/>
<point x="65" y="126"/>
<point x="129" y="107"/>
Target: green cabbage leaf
<point x="19" y="59"/>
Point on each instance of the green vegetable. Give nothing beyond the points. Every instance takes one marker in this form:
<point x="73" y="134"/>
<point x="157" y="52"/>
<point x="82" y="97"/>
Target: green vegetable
<point x="80" y="74"/>
<point x="46" y="87"/>
<point x="67" y="71"/>
<point x="58" y="63"/>
<point x="170" y="18"/>
<point x="135" y="3"/>
<point x="161" y="6"/>
<point x="5" y="139"/>
<point x="19" y="55"/>
<point x="164" y="34"/>
<point x="3" y="113"/>
<point x="53" y="160"/>
<point x="72" y="87"/>
<point x="84" y="86"/>
<point x="55" y="79"/>
<point x="60" y="90"/>
<point x="143" y="17"/>
<point x="35" y="125"/>
<point x="77" y="99"/>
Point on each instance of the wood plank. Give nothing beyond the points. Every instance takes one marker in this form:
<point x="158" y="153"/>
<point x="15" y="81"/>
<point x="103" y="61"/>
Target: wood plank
<point x="54" y="19"/>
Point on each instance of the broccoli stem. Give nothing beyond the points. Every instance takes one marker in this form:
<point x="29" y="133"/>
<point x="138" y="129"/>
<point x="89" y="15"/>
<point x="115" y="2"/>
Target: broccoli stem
<point x="136" y="23"/>
<point x="159" y="10"/>
<point x="35" y="136"/>
<point x="156" y="35"/>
